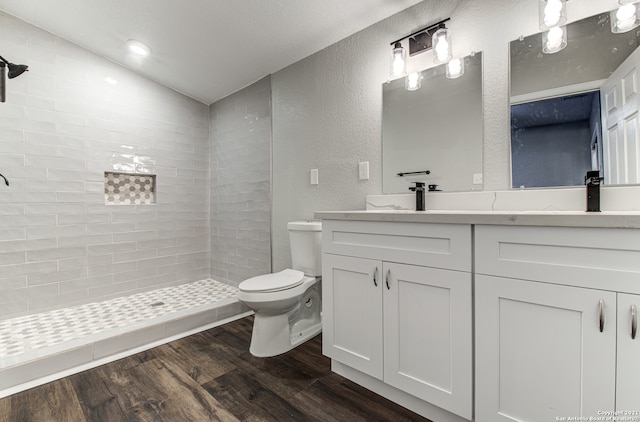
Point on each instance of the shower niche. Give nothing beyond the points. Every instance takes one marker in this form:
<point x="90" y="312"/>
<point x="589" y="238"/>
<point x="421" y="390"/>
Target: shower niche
<point x="129" y="188"/>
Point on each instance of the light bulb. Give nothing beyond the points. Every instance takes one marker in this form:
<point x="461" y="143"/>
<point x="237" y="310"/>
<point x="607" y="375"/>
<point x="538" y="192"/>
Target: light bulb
<point x="138" y="48"/>
<point x="398" y="61"/>
<point x="554" y="40"/>
<point x="626" y="12"/>
<point x="551" y="19"/>
<point x="412" y="82"/>
<point x="442" y="47"/>
<point x="624" y="19"/>
<point x="398" y="66"/>
<point x="454" y="69"/>
<point x="139" y="51"/>
<point x="555" y="34"/>
<point x="553" y="7"/>
<point x="552" y="13"/>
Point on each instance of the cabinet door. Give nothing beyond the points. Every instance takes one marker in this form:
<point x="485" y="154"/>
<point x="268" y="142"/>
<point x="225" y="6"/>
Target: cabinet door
<point x="427" y="328"/>
<point x="540" y="353"/>
<point x="352" y="312"/>
<point x="627" y="389"/>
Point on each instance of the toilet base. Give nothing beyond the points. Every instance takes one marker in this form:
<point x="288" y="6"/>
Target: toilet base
<point x="273" y="336"/>
<point x="284" y="319"/>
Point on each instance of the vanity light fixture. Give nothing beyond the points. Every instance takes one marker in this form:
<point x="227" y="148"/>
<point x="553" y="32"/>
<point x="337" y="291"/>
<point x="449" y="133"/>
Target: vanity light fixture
<point x="398" y="61"/>
<point x="552" y="13"/>
<point x="554" y="40"/>
<point x="624" y="19"/>
<point x="419" y="42"/>
<point x="138" y="48"/>
<point x="455" y="68"/>
<point x="413" y="81"/>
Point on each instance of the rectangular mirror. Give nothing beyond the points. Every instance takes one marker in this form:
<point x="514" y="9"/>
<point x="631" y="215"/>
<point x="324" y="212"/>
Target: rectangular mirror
<point x="575" y="110"/>
<point x="437" y="127"/>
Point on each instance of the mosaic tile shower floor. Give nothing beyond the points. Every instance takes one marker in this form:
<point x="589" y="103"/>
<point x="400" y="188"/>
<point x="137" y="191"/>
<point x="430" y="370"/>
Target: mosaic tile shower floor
<point x="23" y="334"/>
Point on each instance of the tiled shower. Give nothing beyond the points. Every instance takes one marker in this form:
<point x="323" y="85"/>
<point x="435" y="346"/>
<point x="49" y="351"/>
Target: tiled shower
<point x="63" y="126"/>
<point x="241" y="184"/>
<point x="111" y="192"/>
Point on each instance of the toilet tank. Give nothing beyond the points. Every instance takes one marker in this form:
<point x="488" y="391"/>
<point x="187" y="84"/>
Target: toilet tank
<point x="306" y="246"/>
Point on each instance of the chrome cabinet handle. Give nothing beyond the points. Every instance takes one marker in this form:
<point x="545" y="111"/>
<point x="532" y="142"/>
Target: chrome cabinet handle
<point x="375" y="277"/>
<point x="601" y="315"/>
<point x="387" y="279"/>
<point x="634" y="322"/>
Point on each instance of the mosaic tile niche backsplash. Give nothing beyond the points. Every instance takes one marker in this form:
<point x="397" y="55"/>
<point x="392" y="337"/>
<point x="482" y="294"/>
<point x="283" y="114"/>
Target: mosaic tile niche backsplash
<point x="129" y="189"/>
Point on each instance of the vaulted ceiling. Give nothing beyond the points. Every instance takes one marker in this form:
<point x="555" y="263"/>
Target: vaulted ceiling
<point x="206" y="49"/>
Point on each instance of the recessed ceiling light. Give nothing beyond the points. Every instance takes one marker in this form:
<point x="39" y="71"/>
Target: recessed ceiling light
<point x="138" y="48"/>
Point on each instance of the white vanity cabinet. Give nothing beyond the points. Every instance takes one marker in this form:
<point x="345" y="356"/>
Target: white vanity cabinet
<point x="352" y="312"/>
<point x="553" y="320"/>
<point x="539" y="351"/>
<point x="397" y="306"/>
<point x="628" y="368"/>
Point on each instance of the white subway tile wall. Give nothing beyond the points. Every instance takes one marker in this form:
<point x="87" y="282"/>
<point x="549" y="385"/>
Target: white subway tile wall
<point x="241" y="184"/>
<point x="61" y="128"/>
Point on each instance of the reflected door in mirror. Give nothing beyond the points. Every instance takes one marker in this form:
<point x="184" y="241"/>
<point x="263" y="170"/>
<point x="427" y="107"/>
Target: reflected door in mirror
<point x="594" y="60"/>
<point x="622" y="134"/>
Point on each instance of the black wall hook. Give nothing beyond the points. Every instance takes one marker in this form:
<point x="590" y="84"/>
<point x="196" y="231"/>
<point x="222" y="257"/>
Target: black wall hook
<point x="6" y="182"/>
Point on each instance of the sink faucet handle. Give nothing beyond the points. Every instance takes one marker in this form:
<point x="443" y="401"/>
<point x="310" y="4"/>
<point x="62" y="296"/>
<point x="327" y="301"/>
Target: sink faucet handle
<point x="418" y="187"/>
<point x="593" y="178"/>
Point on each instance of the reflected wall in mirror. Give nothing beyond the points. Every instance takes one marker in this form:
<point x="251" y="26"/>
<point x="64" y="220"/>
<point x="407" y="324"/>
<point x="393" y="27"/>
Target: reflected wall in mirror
<point x="437" y="128"/>
<point x="575" y="110"/>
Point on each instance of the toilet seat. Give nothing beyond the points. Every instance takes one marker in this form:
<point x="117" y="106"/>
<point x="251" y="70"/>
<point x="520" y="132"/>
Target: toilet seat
<point x="283" y="280"/>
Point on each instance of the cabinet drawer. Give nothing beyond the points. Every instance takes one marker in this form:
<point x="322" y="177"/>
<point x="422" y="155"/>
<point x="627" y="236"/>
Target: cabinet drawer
<point x="586" y="257"/>
<point x="434" y="245"/>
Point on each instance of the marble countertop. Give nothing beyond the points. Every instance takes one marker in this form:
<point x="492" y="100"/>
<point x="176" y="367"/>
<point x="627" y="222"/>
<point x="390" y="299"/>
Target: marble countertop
<point x="607" y="219"/>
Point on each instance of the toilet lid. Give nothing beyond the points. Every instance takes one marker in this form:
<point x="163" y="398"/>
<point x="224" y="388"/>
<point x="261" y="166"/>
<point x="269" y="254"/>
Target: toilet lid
<point x="283" y="280"/>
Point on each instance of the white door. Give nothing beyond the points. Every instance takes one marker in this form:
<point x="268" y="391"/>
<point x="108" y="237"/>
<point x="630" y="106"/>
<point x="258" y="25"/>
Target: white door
<point x="427" y="328"/>
<point x="540" y="354"/>
<point x="352" y="312"/>
<point x="628" y="389"/>
<point x="621" y="131"/>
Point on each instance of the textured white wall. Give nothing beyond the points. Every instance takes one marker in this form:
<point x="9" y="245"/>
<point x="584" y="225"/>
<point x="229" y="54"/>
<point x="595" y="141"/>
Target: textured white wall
<point x="241" y="184"/>
<point x="60" y="129"/>
<point x="327" y="107"/>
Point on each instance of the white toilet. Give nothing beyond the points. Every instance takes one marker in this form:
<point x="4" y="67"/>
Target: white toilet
<point x="287" y="304"/>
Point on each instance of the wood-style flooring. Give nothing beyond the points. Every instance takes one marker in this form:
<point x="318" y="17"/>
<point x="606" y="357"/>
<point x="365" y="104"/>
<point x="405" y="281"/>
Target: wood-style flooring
<point x="210" y="376"/>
